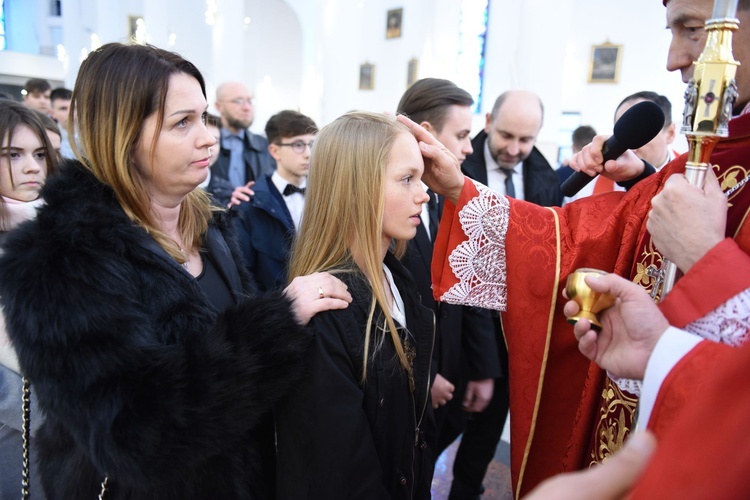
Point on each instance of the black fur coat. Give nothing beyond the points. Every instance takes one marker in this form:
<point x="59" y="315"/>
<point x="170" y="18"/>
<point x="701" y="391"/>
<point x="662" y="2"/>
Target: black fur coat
<point x="140" y="378"/>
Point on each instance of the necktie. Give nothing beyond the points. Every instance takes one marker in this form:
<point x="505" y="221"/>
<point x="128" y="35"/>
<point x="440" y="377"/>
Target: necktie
<point x="432" y="211"/>
<point x="291" y="189"/>
<point x="510" y="190"/>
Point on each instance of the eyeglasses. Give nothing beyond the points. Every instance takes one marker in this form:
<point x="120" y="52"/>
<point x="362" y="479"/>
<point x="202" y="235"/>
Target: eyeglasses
<point x="240" y="101"/>
<point x="298" y="146"/>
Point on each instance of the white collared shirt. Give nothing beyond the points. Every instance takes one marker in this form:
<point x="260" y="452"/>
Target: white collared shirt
<point x="671" y="347"/>
<point x="295" y="202"/>
<point x="398" y="310"/>
<point x="425" y="215"/>
<point x="496" y="177"/>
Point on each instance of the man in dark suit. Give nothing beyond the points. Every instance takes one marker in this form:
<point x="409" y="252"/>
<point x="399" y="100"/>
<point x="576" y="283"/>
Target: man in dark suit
<point x="506" y="159"/>
<point x="465" y="360"/>
<point x="244" y="157"/>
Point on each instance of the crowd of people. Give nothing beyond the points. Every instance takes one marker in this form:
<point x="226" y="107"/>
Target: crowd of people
<point x="191" y="310"/>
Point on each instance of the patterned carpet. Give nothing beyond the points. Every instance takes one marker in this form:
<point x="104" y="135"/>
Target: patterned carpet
<point x="496" y="482"/>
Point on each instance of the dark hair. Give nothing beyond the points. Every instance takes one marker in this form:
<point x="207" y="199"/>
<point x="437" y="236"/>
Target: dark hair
<point x="37" y="85"/>
<point x="48" y="122"/>
<point x="582" y="136"/>
<point x="61" y="93"/>
<point x="428" y="100"/>
<point x="13" y="115"/>
<point x="660" y="100"/>
<point x="51" y="126"/>
<point x="213" y="120"/>
<point x="288" y="123"/>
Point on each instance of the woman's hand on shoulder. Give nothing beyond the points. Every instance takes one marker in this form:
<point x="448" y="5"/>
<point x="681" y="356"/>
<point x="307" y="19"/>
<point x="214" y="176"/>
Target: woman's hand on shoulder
<point x="316" y="292"/>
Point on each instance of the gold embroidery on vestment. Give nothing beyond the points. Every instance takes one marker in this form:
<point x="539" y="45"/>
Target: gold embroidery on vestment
<point x="730" y="179"/>
<point x="614" y="422"/>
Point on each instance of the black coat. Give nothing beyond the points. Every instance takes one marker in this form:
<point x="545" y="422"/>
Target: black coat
<point x="465" y="341"/>
<point x="142" y="380"/>
<point x="340" y="440"/>
<point x="540" y="182"/>
<point x="265" y="232"/>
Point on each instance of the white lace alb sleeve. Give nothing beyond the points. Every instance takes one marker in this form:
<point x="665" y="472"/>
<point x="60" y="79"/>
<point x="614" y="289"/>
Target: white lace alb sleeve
<point x="479" y="262"/>
<point x="727" y="324"/>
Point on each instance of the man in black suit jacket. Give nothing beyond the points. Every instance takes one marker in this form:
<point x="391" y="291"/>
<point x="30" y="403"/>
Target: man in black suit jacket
<point x="506" y="159"/>
<point x="463" y="360"/>
<point x="244" y="156"/>
<point x="507" y="147"/>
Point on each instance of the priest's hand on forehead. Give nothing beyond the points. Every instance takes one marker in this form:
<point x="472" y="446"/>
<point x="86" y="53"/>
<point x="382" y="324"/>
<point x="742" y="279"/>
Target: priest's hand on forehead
<point x="442" y="171"/>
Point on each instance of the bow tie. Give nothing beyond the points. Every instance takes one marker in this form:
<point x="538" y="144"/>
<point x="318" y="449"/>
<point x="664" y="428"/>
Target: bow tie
<point x="291" y="189"/>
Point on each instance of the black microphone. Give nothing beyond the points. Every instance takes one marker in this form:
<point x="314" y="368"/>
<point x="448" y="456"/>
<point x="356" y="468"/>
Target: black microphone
<point x="635" y="128"/>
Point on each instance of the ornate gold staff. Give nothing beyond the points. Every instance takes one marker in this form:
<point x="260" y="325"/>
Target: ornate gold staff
<point x="709" y="99"/>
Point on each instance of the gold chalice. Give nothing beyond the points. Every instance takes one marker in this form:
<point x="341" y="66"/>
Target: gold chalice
<point x="591" y="302"/>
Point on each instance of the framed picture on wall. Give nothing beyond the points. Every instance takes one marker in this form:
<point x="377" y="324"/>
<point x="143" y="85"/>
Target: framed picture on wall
<point x="366" y="76"/>
<point x="411" y="71"/>
<point x="605" y="63"/>
<point x="393" y="23"/>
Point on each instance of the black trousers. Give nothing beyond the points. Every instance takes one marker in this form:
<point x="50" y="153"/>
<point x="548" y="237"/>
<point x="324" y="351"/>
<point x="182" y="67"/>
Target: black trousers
<point x="481" y="435"/>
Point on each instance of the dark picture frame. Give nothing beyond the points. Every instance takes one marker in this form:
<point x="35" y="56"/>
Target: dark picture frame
<point x="605" y="63"/>
<point x="393" y="23"/>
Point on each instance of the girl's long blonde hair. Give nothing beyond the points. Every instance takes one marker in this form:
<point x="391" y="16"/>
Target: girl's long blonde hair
<point x="344" y="208"/>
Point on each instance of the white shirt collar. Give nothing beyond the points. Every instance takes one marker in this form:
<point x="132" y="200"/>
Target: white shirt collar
<point x="280" y="183"/>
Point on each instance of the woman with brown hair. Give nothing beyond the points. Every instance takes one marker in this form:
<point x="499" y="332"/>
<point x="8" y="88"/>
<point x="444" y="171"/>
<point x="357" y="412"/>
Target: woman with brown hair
<point x="155" y="364"/>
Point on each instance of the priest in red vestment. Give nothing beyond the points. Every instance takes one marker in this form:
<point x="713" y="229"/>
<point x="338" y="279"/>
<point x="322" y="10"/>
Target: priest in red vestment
<point x="509" y="255"/>
<point x="697" y="413"/>
<point x="506" y="254"/>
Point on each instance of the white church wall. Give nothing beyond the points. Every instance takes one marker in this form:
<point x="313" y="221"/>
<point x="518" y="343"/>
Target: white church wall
<point x="306" y="54"/>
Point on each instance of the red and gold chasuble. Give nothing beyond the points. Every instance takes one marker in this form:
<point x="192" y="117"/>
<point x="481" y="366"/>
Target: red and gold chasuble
<point x="514" y="256"/>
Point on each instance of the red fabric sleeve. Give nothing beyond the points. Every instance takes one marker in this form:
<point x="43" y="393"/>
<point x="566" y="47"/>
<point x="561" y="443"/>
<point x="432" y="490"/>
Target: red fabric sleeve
<point x="683" y="383"/>
<point x="704" y="453"/>
<point x="449" y="236"/>
<point x="720" y="275"/>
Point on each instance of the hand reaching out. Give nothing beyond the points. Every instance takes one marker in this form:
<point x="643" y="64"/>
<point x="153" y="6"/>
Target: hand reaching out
<point x="630" y="329"/>
<point x="589" y="160"/>
<point x="316" y="292"/>
<point x="241" y="193"/>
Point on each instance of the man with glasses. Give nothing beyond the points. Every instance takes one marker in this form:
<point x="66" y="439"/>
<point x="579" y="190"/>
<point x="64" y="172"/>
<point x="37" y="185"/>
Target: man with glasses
<point x="268" y="222"/>
<point x="243" y="157"/>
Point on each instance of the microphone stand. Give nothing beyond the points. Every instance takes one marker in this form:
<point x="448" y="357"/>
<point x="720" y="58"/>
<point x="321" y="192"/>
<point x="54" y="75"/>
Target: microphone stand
<point x="709" y="100"/>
